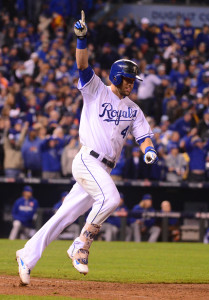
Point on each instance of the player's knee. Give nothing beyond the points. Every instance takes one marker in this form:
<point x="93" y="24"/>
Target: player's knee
<point x="115" y="201"/>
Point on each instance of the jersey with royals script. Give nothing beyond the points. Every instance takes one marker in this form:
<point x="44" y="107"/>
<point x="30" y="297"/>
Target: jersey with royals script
<point x="107" y="120"/>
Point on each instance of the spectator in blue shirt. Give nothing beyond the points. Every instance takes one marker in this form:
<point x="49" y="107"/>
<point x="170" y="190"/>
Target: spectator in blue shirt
<point x="178" y="77"/>
<point x="31" y="153"/>
<point x="134" y="166"/>
<point x="118" y="172"/>
<point x="59" y="203"/>
<point x="203" y="80"/>
<point x="51" y="150"/>
<point x="145" y="225"/>
<point x="197" y="152"/>
<point x="203" y="36"/>
<point x="165" y="36"/>
<point x="187" y="35"/>
<point x="183" y="125"/>
<point x="23" y="214"/>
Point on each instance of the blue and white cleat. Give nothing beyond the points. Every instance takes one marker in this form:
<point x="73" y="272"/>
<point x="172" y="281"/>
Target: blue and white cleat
<point x="79" y="259"/>
<point x="24" y="271"/>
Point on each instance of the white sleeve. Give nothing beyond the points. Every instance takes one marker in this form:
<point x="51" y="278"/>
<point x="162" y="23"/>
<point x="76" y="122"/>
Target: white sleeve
<point x="156" y="80"/>
<point x="92" y="88"/>
<point x="140" y="128"/>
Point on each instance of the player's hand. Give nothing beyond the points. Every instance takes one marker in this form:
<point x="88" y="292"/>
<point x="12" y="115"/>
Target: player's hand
<point x="80" y="27"/>
<point x="150" y="156"/>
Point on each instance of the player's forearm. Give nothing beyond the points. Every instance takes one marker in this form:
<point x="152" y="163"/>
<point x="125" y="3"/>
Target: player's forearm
<point x="147" y="143"/>
<point x="82" y="58"/>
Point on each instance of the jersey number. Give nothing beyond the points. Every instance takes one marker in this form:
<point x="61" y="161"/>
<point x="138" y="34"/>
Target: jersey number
<point x="124" y="131"/>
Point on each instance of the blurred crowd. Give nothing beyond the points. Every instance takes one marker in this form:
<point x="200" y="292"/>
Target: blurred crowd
<point x="40" y="104"/>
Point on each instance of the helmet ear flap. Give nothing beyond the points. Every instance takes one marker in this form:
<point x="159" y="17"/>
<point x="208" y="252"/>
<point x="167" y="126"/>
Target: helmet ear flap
<point x="117" y="79"/>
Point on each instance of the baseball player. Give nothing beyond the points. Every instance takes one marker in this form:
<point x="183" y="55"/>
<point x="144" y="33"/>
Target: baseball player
<point x="108" y="116"/>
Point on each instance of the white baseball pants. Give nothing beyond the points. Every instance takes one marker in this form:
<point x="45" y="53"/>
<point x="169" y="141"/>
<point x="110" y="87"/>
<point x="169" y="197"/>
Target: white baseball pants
<point x="94" y="188"/>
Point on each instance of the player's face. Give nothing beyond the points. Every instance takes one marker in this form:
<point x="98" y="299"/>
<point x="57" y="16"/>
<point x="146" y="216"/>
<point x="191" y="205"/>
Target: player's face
<point x="126" y="86"/>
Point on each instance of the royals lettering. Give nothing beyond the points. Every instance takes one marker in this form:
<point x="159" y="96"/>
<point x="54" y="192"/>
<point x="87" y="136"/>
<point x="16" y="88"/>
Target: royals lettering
<point x="112" y="115"/>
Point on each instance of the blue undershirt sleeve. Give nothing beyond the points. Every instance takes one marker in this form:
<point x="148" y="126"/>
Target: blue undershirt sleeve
<point x="85" y="75"/>
<point x="142" y="140"/>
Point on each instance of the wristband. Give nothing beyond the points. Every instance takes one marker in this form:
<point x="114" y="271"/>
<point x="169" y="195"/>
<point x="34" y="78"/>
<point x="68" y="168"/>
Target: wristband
<point x="82" y="44"/>
<point x="150" y="148"/>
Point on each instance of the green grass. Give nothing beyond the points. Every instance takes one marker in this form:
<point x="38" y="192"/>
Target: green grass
<point x="119" y="262"/>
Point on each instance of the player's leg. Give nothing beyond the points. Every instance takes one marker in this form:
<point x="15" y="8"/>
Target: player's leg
<point x="16" y="227"/>
<point x="94" y="177"/>
<point x="76" y="203"/>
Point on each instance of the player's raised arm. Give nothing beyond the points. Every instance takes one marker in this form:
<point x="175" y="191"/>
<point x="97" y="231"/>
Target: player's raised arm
<point x="80" y="30"/>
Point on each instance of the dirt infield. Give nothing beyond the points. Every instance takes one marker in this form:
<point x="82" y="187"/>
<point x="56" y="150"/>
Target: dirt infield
<point x="9" y="285"/>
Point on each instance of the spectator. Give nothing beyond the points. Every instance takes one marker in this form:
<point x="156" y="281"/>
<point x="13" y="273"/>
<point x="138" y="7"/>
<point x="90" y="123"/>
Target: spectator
<point x="187" y="35"/>
<point x="29" y="67"/>
<point x="112" y="225"/>
<point x="133" y="168"/>
<point x="183" y="124"/>
<point x="203" y="36"/>
<point x="24" y="215"/>
<point x="146" y="90"/>
<point x="173" y="227"/>
<point x="70" y="151"/>
<point x="176" y="165"/>
<point x="72" y="231"/>
<point x="197" y="154"/>
<point x="13" y="162"/>
<point x="203" y="126"/>
<point x="118" y="172"/>
<point x="31" y="153"/>
<point x="145" y="225"/>
<point x="51" y="150"/>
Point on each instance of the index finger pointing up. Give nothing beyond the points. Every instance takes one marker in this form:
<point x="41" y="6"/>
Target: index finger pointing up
<point x="82" y="16"/>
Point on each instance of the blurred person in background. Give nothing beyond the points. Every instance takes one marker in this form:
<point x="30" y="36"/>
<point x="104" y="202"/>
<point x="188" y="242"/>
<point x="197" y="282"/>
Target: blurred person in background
<point x="31" y="153"/>
<point x="134" y="166"/>
<point x="187" y="35"/>
<point x="24" y="214"/>
<point x="183" y="124"/>
<point x="203" y="126"/>
<point x="197" y="151"/>
<point x="118" y="172"/>
<point x="173" y="226"/>
<point x="206" y="237"/>
<point x="51" y="151"/>
<point x="13" y="162"/>
<point x="72" y="231"/>
<point x="144" y="225"/>
<point x="70" y="151"/>
<point x="177" y="166"/>
<point x="146" y="90"/>
<point x="112" y="225"/>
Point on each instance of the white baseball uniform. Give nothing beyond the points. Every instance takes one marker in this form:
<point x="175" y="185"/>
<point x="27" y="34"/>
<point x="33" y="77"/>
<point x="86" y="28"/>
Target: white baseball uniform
<point x="105" y="123"/>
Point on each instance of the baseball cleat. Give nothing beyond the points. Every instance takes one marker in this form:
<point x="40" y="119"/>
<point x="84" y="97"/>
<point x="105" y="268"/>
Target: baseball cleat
<point x="24" y="271"/>
<point x="79" y="259"/>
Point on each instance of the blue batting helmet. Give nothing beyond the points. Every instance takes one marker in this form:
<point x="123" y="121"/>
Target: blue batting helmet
<point x="123" y="68"/>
